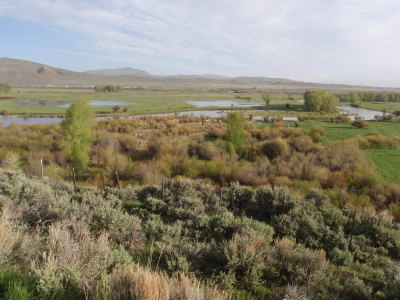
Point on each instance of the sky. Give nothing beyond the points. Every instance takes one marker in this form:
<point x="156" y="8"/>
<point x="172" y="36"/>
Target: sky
<point x="337" y="41"/>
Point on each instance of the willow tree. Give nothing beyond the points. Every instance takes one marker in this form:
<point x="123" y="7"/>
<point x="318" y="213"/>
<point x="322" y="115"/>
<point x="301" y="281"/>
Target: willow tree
<point x="316" y="100"/>
<point x="77" y="128"/>
<point x="267" y="99"/>
<point x="235" y="134"/>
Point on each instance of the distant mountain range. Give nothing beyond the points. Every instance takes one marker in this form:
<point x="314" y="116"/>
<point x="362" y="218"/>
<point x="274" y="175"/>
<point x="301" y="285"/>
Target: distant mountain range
<point x="119" y="72"/>
<point x="26" y="73"/>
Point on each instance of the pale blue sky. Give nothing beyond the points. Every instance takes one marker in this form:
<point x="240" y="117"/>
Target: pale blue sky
<point x="353" y="41"/>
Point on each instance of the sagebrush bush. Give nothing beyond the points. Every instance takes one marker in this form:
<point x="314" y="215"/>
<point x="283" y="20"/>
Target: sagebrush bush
<point x="118" y="243"/>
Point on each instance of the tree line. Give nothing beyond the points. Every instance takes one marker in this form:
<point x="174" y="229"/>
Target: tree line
<point x="369" y="96"/>
<point x="107" y="88"/>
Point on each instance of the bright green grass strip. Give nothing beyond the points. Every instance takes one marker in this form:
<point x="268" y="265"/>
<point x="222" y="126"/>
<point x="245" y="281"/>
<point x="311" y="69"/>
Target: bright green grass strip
<point x="388" y="106"/>
<point x="342" y="131"/>
<point x="387" y="163"/>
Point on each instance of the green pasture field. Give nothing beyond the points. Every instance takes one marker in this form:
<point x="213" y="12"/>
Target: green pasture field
<point x="380" y="106"/>
<point x="142" y="101"/>
<point x="386" y="161"/>
<point x="341" y="131"/>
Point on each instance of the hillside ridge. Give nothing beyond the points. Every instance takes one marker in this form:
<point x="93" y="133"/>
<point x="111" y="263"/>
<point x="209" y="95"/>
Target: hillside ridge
<point x="19" y="72"/>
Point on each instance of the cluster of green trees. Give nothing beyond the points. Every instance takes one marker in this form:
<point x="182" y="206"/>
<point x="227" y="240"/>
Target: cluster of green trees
<point x="369" y="96"/>
<point x="316" y="100"/>
<point x="107" y="88"/>
<point x="4" y="87"/>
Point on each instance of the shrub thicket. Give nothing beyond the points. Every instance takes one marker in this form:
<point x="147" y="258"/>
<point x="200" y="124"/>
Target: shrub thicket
<point x="189" y="240"/>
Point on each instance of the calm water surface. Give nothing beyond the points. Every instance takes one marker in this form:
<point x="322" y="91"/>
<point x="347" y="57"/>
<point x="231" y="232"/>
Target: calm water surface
<point x="224" y="103"/>
<point x="6" y="121"/>
<point x="366" y="114"/>
<point x="101" y="103"/>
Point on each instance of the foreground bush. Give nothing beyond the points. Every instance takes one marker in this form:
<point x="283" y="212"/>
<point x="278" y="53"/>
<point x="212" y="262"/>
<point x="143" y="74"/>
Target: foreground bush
<point x="190" y="240"/>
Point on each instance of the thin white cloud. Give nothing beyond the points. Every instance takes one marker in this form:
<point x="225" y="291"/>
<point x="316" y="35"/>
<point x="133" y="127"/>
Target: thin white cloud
<point x="309" y="40"/>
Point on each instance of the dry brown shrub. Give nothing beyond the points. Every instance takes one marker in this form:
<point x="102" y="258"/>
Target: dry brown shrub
<point x="293" y="292"/>
<point x="276" y="148"/>
<point x="303" y="144"/>
<point x="216" y="132"/>
<point x="248" y="175"/>
<point x="146" y="174"/>
<point x="281" y="181"/>
<point x="384" y="194"/>
<point x="337" y="179"/>
<point x="316" y="133"/>
<point x="128" y="282"/>
<point x="128" y="142"/>
<point x="320" y="174"/>
<point x="111" y="159"/>
<point x="279" y="123"/>
<point x="7" y="237"/>
<point x="359" y="124"/>
<point x="298" y="265"/>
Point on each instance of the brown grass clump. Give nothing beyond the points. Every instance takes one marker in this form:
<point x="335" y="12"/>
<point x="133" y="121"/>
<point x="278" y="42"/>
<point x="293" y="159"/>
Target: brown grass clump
<point x="7" y="239"/>
<point x="128" y="282"/>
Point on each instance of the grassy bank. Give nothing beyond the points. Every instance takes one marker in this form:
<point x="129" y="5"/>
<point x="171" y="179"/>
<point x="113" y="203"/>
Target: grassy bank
<point x="387" y="162"/>
<point x="380" y="106"/>
<point x="342" y="131"/>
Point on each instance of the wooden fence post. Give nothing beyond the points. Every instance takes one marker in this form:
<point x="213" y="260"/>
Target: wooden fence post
<point x="41" y="165"/>
<point x="74" y="178"/>
<point x="351" y="231"/>
<point x="118" y="182"/>
<point x="162" y="186"/>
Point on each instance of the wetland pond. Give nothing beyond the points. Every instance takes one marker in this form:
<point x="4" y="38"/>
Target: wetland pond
<point x="366" y="114"/>
<point x="101" y="103"/>
<point x="197" y="103"/>
<point x="223" y="103"/>
<point x="7" y="121"/>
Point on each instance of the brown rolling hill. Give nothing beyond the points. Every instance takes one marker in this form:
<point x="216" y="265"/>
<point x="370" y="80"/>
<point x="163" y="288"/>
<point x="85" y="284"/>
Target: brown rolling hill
<point x="31" y="74"/>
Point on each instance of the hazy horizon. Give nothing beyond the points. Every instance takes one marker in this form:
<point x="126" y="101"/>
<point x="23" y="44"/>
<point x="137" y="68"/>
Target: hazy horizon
<point x="337" y="42"/>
